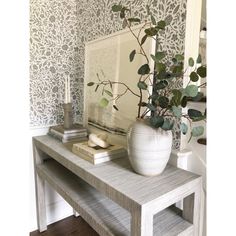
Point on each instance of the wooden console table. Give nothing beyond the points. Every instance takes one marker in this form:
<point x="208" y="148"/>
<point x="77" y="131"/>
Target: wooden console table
<point x="112" y="198"/>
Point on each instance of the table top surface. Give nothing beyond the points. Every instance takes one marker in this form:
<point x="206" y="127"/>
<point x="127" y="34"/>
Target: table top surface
<point x="116" y="174"/>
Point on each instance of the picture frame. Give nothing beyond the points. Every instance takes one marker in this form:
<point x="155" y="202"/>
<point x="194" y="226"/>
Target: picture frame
<point x="108" y="58"/>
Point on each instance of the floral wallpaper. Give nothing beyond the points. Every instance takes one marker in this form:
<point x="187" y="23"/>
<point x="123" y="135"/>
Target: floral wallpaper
<point x="58" y="31"/>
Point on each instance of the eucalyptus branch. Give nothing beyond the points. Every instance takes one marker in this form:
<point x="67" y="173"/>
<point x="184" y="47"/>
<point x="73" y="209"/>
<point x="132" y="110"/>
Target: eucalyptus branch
<point x="116" y="82"/>
<point x="142" y="29"/>
<point x="188" y="118"/>
<point x="141" y="47"/>
<point x="148" y="76"/>
<point x="202" y="85"/>
<point x="165" y="111"/>
<point x="145" y="113"/>
<point x="119" y="95"/>
<point x="140" y="101"/>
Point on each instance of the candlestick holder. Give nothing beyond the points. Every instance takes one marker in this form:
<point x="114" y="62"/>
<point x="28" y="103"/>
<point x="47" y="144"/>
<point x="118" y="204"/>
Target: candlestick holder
<point x="68" y="119"/>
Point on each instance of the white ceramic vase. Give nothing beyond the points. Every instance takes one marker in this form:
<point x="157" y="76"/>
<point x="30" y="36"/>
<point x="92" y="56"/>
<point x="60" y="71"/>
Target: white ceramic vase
<point x="149" y="149"/>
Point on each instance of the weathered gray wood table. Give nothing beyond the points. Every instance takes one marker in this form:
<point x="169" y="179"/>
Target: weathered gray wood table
<point x="112" y="198"/>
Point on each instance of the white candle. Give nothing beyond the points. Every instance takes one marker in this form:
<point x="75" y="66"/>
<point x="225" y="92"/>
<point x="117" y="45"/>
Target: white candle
<point x="66" y="91"/>
<point x="69" y="98"/>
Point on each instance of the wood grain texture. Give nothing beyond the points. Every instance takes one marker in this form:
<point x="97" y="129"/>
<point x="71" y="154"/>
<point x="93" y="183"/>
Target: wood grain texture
<point x="70" y="226"/>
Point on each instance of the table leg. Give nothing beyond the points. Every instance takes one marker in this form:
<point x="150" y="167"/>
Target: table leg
<point x="75" y="213"/>
<point x="191" y="209"/>
<point x="141" y="223"/>
<point x="40" y="193"/>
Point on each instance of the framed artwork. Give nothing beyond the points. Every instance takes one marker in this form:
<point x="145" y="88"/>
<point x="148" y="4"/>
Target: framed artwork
<point x="107" y="58"/>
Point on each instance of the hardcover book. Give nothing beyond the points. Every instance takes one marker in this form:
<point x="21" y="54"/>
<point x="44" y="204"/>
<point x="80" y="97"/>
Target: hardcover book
<point x="99" y="160"/>
<point x="68" y="135"/>
<point x="77" y="128"/>
<point x="97" y="154"/>
<point x="66" y="140"/>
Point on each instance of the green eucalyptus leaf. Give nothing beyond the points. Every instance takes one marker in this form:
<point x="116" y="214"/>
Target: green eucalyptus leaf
<point x="191" y="62"/>
<point x="174" y="60"/>
<point x="144" y="69"/>
<point x="202" y="71"/>
<point x="116" y="8"/>
<point x="177" y="69"/>
<point x="163" y="101"/>
<point x="131" y="55"/>
<point x="90" y="84"/>
<point x="160" y="67"/>
<point x="134" y="20"/>
<point x="142" y="85"/>
<point x="197" y="131"/>
<point x="164" y="75"/>
<point x="184" y="101"/>
<point x="194" y="76"/>
<point x="161" y="24"/>
<point x="153" y="20"/>
<point x="176" y="99"/>
<point x="196" y="119"/>
<point x="152" y="31"/>
<point x="199" y="59"/>
<point x="177" y="111"/>
<point x="160" y="55"/>
<point x="191" y="90"/>
<point x="199" y="96"/>
<point x="161" y="85"/>
<point x="143" y="39"/>
<point x="184" y="128"/>
<point x="108" y="93"/>
<point x="115" y="107"/>
<point x="167" y="125"/>
<point x="153" y="58"/>
<point x="154" y="96"/>
<point x="192" y="113"/>
<point x="103" y="102"/>
<point x="156" y="121"/>
<point x="179" y="57"/>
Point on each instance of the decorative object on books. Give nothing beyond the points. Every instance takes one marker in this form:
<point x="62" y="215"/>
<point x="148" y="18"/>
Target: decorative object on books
<point x="98" y="140"/>
<point x="75" y="133"/>
<point x="97" y="154"/>
<point x="162" y="108"/>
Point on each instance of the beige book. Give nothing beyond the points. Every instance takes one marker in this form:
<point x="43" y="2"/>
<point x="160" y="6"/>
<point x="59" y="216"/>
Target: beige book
<point x="98" y="152"/>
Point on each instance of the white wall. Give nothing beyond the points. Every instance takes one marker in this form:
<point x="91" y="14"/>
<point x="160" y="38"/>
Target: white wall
<point x="57" y="208"/>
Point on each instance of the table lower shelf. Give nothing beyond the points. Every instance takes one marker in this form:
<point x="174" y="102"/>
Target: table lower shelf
<point x="103" y="214"/>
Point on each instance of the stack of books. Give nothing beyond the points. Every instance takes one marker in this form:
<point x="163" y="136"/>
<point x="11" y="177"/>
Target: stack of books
<point x="77" y="133"/>
<point x="97" y="155"/>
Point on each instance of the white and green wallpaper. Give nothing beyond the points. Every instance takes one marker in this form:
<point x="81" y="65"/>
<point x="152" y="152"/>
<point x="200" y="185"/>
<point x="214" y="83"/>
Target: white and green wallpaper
<point x="58" y="31"/>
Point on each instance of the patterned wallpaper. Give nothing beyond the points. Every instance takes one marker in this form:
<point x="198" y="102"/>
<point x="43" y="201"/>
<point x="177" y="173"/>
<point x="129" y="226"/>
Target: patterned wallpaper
<point x="59" y="30"/>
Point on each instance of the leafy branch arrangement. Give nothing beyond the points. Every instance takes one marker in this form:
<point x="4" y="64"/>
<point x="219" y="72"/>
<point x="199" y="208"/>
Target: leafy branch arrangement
<point x="167" y="99"/>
